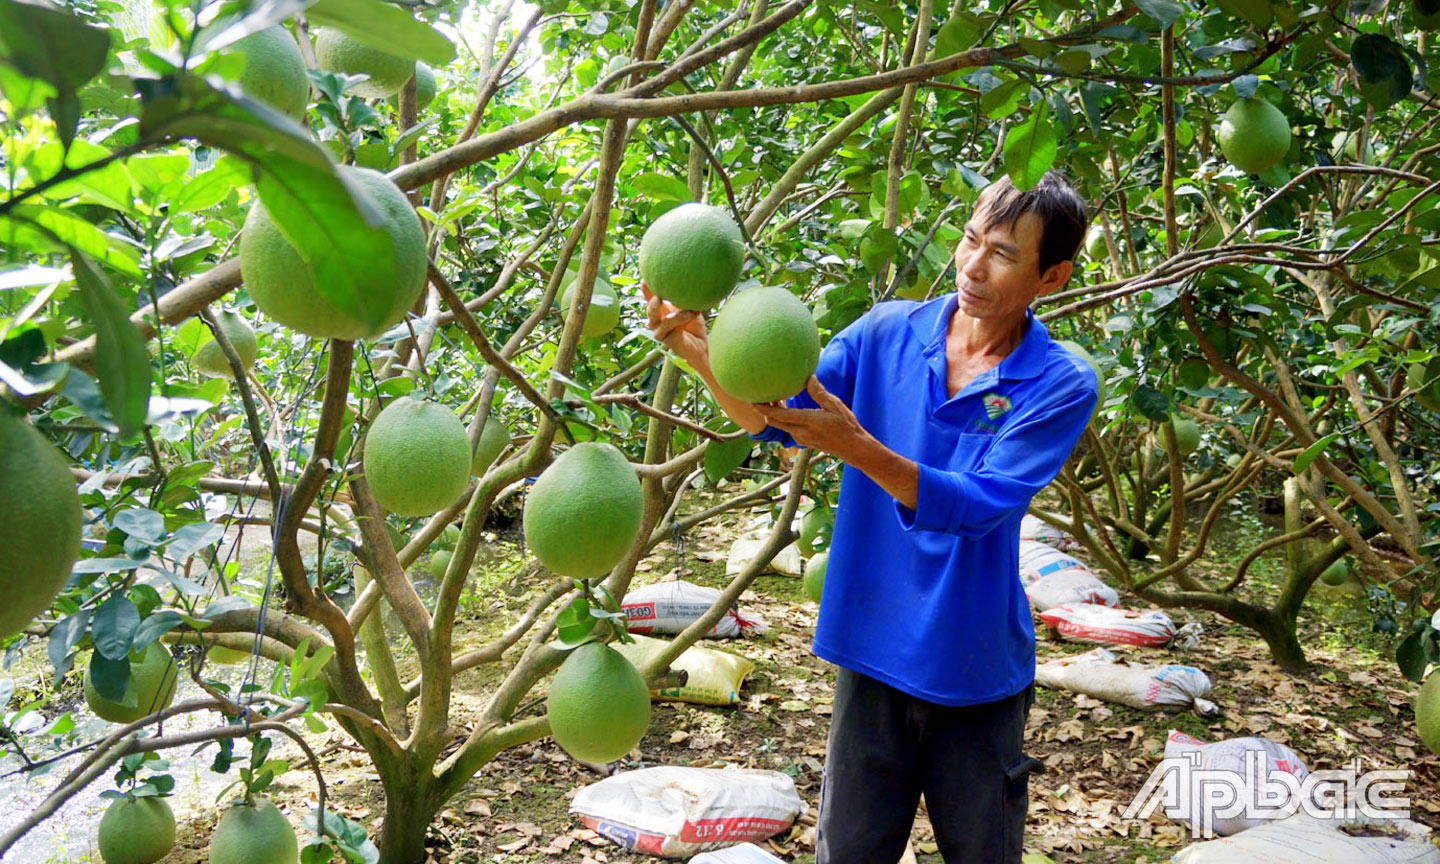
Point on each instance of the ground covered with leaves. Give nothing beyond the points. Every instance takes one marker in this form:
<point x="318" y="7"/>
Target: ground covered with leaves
<point x="1352" y="705"/>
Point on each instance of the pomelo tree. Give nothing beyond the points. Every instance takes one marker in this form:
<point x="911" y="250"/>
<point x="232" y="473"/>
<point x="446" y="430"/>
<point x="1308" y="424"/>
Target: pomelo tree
<point x="846" y="142"/>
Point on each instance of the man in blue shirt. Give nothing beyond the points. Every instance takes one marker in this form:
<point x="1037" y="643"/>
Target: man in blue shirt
<point x="952" y="414"/>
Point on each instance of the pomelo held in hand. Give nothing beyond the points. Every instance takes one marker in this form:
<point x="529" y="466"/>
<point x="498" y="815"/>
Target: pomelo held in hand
<point x="274" y="70"/>
<point x="1254" y="135"/>
<point x="337" y="52"/>
<point x="136" y="831"/>
<point x="764" y="345"/>
<point x="39" y="523"/>
<point x="599" y="705"/>
<point x="692" y="256"/>
<point x="209" y="359"/>
<point x="583" y="514"/>
<point x="151" y="687"/>
<point x="254" y="833"/>
<point x="417" y="457"/>
<point x="283" y="285"/>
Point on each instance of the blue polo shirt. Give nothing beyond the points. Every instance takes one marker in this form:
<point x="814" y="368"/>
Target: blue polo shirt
<point x="929" y="600"/>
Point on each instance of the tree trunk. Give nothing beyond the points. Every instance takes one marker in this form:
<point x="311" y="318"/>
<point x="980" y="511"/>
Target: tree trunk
<point x="409" y="810"/>
<point x="1278" y="631"/>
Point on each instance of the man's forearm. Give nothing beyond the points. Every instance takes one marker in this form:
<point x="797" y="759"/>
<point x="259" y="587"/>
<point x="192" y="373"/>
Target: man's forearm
<point x="741" y="412"/>
<point x="892" y="472"/>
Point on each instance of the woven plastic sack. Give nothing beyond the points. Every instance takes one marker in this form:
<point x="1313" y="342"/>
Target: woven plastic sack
<point x="1100" y="674"/>
<point x="670" y="607"/>
<point x="714" y="677"/>
<point x="1085" y="622"/>
<point x="677" y="812"/>
<point x="1033" y="528"/>
<point x="1247" y="764"/>
<point x="1306" y="839"/>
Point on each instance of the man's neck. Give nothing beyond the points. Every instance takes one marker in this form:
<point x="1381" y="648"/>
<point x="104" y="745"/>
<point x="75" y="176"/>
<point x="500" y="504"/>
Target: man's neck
<point x="984" y="337"/>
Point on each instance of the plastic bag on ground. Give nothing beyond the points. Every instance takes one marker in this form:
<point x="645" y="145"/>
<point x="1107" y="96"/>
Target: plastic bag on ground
<point x="745" y="853"/>
<point x="1306" y="839"/>
<point x="1034" y="529"/>
<point x="1248" y="765"/>
<point x="1086" y="622"/>
<point x="1100" y="674"/>
<point x="675" y="812"/>
<point x="787" y="562"/>
<point x="670" y="607"/>
<point x="714" y="676"/>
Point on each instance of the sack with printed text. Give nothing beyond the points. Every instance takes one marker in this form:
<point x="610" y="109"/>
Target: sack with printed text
<point x="1052" y="578"/>
<point x="1035" y="529"/>
<point x="1085" y="622"/>
<point x="1230" y="786"/>
<point x="670" y="607"/>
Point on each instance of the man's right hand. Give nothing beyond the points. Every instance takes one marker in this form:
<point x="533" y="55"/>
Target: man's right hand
<point x="680" y="330"/>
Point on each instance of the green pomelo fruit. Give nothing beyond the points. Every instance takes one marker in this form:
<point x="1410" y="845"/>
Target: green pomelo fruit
<point x="1336" y="574"/>
<point x="764" y="345"/>
<point x="583" y="513"/>
<point x="256" y="833"/>
<point x="151" y="687"/>
<point x="1074" y="348"/>
<point x="815" y="575"/>
<point x="692" y="256"/>
<point x="1187" y="434"/>
<point x="494" y="438"/>
<point x="226" y="656"/>
<point x="425" y="88"/>
<point x="417" y="457"/>
<point x="136" y="831"/>
<point x="449" y="537"/>
<point x="440" y="562"/>
<point x="337" y="52"/>
<point x="209" y="360"/>
<point x="1254" y="135"/>
<point x="599" y="705"/>
<point x="604" y="312"/>
<point x="1233" y="461"/>
<point x="283" y="285"/>
<point x="39" y="523"/>
<point x="274" y="70"/>
<point x="816" y="527"/>
<point x="1095" y="243"/>
<point x="1347" y="144"/>
<point x="1427" y="713"/>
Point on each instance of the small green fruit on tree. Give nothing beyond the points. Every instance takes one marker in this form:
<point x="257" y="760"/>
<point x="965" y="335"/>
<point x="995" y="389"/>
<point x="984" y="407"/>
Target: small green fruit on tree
<point x="151" y="687"/>
<point x="39" y="523"/>
<point x="583" y="513"/>
<point x="209" y="359"/>
<point x="136" y="830"/>
<point x="1336" y="574"/>
<point x="599" y="706"/>
<point x="254" y="832"/>
<point x="494" y="438"/>
<point x="815" y="575"/>
<point x="1254" y="135"/>
<point x="816" y="527"/>
<point x="417" y="457"/>
<point x="1187" y="434"/>
<point x="274" y="70"/>
<point x="337" y="52"/>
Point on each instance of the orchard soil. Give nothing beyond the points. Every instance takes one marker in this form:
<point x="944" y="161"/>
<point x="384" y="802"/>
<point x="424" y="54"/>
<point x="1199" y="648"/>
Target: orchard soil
<point x="1352" y="704"/>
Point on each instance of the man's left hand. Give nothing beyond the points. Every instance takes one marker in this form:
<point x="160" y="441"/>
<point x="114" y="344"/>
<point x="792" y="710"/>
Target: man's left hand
<point x="832" y="427"/>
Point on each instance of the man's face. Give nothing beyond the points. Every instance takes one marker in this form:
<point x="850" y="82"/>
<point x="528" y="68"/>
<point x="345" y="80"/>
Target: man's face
<point x="997" y="271"/>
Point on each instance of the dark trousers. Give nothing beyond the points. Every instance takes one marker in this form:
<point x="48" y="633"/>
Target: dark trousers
<point x="887" y="747"/>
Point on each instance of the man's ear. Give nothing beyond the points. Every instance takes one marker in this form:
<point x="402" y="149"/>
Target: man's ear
<point x="1056" y="276"/>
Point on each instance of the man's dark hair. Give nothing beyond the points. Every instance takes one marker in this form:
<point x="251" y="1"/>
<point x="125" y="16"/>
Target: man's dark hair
<point x="1061" y="210"/>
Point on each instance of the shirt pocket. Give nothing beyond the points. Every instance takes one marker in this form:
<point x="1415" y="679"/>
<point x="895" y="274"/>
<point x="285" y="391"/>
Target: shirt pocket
<point x="963" y="452"/>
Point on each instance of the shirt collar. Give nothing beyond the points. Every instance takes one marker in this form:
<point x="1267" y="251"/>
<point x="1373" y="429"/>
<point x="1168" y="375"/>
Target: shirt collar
<point x="929" y="321"/>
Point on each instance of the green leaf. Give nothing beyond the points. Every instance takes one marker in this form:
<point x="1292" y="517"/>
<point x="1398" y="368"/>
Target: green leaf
<point x="956" y="35"/>
<point x="574" y="624"/>
<point x="210" y="188"/>
<point x="1410" y="657"/>
<point x="1152" y="404"/>
<point x="1030" y="150"/>
<point x="331" y="221"/>
<point x="1385" y="73"/>
<point x="109" y="677"/>
<point x="385" y="26"/>
<point x="121" y="362"/>
<point x="142" y="523"/>
<point x="660" y="187"/>
<point x="156" y="625"/>
<point x="1004" y="100"/>
<point x="1310" y="453"/>
<point x="722" y="457"/>
<point x="54" y="46"/>
<point x="50" y="228"/>
<point x="64" y="636"/>
<point x="1257" y="13"/>
<point x="1162" y="12"/>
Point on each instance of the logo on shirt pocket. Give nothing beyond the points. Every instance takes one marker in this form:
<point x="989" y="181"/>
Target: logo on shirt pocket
<point x="995" y="405"/>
